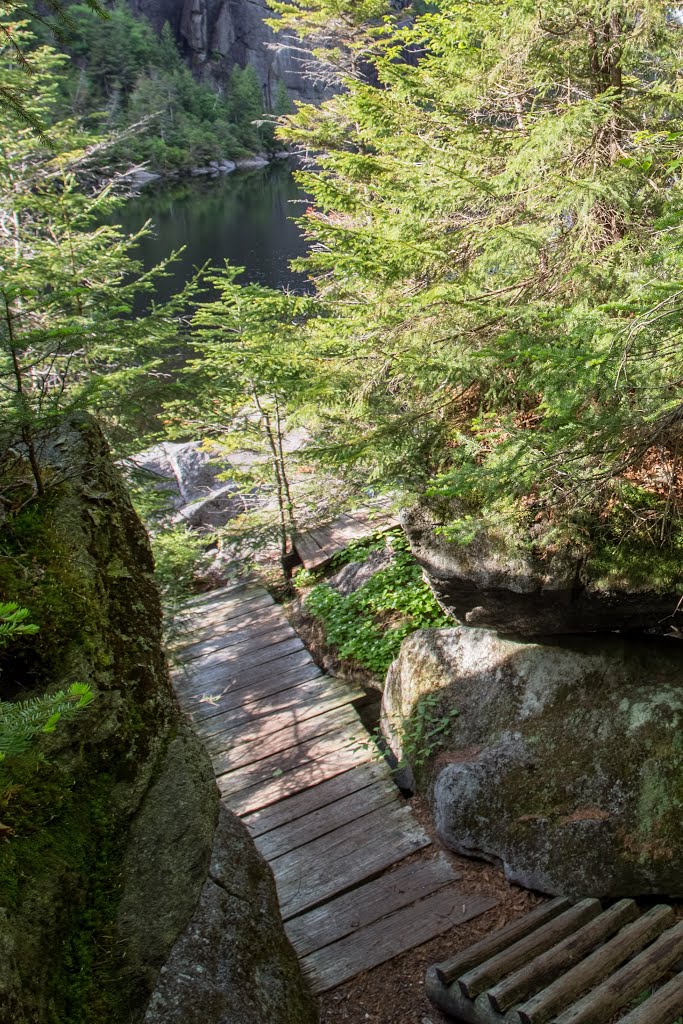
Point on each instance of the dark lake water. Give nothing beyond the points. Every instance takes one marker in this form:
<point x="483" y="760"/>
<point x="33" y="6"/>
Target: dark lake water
<point x="242" y="217"/>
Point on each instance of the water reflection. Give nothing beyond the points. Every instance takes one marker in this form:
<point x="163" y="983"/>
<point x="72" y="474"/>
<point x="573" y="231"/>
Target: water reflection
<point x="245" y="218"/>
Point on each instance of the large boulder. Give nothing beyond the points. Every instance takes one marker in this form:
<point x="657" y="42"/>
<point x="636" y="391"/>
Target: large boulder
<point x="565" y="762"/>
<point x="521" y="593"/>
<point x="109" y="839"/>
<point x="233" y="962"/>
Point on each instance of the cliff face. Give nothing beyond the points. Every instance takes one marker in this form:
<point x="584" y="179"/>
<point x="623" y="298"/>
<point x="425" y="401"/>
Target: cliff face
<point x="217" y="34"/>
<point x="109" y="827"/>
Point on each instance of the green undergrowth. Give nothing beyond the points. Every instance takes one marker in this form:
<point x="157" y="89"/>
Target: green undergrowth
<point x="369" y="625"/>
<point x="421" y="736"/>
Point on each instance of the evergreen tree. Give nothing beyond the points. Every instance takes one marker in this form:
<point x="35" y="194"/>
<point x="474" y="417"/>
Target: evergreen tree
<point x="68" y="338"/>
<point x="497" y="247"/>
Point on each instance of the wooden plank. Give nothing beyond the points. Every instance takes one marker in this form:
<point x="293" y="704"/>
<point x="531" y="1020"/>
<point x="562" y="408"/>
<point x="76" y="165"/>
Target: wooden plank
<point x="369" y="903"/>
<point x="449" y="970"/>
<point x="625" y="984"/>
<point x="307" y="547"/>
<point x="230" y="589"/>
<point x="218" y="611"/>
<point x="199" y="627"/>
<point x="237" y="756"/>
<point x="246" y="655"/>
<point x="344" y="858"/>
<point x="269" y="632"/>
<point x="508" y="960"/>
<point x="326" y="819"/>
<point x="223" y="605"/>
<point x="283" y="728"/>
<point x="221" y="679"/>
<point x="545" y="968"/>
<point x="261" y="615"/>
<point x="595" y="967"/>
<point x="203" y="706"/>
<point x="278" y="764"/>
<point x="292" y="782"/>
<point x="301" y="702"/>
<point x="316" y="796"/>
<point x="663" y="1007"/>
<point x="385" y="939"/>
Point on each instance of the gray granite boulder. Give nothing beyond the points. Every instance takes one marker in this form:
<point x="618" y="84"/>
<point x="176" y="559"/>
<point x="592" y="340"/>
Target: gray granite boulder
<point x="233" y="964"/>
<point x="565" y="762"/>
<point x="526" y="595"/>
<point x="351" y="577"/>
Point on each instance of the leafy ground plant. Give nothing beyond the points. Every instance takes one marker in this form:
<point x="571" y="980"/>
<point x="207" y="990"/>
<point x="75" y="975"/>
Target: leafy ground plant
<point x="369" y="625"/>
<point x="421" y="735"/>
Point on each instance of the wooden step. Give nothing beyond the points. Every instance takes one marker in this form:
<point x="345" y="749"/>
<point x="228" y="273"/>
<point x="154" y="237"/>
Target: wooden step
<point x="316" y="796"/>
<point x="344" y="858"/>
<point x="406" y="928"/>
<point x="308" y="774"/>
<point x="203" y="706"/>
<point x="562" y="965"/>
<point x="286" y="707"/>
<point x="342" y="916"/>
<point x="311" y="826"/>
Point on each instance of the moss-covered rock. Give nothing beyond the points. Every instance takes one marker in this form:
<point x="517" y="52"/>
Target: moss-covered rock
<point x="79" y="559"/>
<point x="565" y="762"/>
<point x="524" y="590"/>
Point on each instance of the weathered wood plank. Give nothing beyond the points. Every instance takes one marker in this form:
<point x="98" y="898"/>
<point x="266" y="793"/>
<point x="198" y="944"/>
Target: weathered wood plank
<point x="255" y="621"/>
<point x="237" y="639"/>
<point x="307" y="547"/>
<point x="369" y="903"/>
<point x="326" y="819"/>
<point x="292" y="782"/>
<point x="545" y="968"/>
<point x="315" y="796"/>
<point x="663" y="1007"/>
<point x="247" y="655"/>
<point x="205" y="705"/>
<point x="594" y="968"/>
<point x="625" y="984"/>
<point x="222" y="678"/>
<point x="449" y="970"/>
<point x="238" y="756"/>
<point x="287" y="760"/>
<point x="230" y="589"/>
<point x="224" y="605"/>
<point x="508" y="960"/>
<point x="385" y="939"/>
<point x="299" y="703"/>
<point x="344" y="858"/>
<point x="284" y="729"/>
<point x="189" y="627"/>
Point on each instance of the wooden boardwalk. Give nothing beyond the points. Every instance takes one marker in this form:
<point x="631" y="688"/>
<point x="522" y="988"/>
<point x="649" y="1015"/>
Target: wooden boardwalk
<point x="357" y="878"/>
<point x="316" y="548"/>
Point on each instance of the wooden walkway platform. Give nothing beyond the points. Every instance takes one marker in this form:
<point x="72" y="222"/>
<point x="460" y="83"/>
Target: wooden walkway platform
<point x="357" y="878"/>
<point x="569" y="963"/>
<point x="316" y="548"/>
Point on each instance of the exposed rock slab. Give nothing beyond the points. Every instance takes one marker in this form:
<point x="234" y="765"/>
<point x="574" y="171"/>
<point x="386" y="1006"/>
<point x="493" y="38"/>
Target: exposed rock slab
<point x="565" y="762"/>
<point x="233" y="964"/>
<point x="217" y="34"/>
<point x="528" y="596"/>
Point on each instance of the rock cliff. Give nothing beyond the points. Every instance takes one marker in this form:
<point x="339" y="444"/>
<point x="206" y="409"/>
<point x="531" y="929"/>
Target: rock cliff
<point x="217" y="34"/>
<point x="110" y="825"/>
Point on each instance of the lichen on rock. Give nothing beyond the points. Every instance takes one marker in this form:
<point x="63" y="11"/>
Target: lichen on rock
<point x="565" y="762"/>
